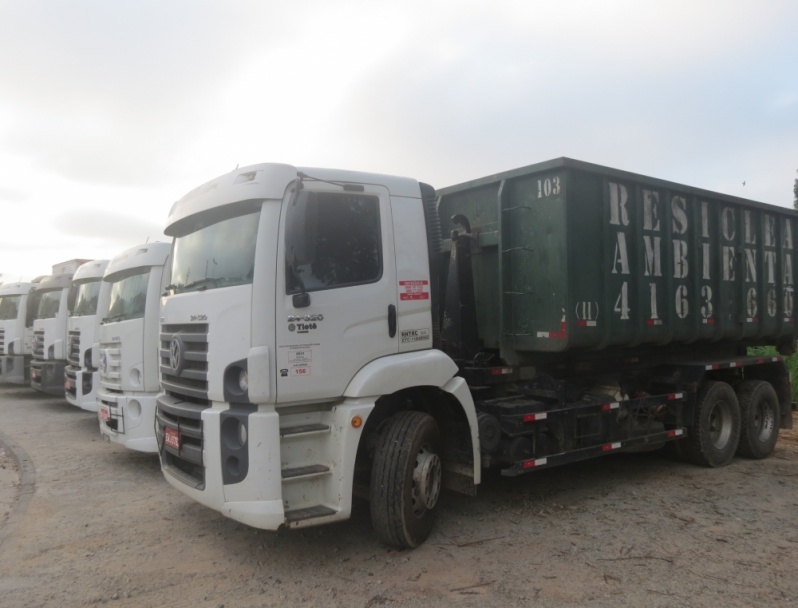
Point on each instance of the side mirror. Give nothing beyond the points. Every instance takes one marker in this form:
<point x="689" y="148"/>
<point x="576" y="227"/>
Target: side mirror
<point x="301" y="300"/>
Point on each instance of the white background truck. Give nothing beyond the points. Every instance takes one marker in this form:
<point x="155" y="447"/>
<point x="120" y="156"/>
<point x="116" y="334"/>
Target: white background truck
<point x="82" y="373"/>
<point x="128" y="354"/>
<point x="57" y="295"/>
<point x="327" y="333"/>
<point x="18" y="304"/>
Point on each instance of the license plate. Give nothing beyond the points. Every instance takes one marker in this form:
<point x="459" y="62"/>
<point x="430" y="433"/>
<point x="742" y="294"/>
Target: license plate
<point x="171" y="437"/>
<point x="104" y="413"/>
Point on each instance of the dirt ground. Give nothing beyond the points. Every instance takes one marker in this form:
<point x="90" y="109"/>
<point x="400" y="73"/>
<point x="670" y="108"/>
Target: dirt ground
<point x="87" y="523"/>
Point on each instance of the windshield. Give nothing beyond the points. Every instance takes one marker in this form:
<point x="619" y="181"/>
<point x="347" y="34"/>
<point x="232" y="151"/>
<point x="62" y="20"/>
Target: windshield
<point x="9" y="307"/>
<point x="219" y="255"/>
<point x="86" y="299"/>
<point x="128" y="297"/>
<point x="49" y="304"/>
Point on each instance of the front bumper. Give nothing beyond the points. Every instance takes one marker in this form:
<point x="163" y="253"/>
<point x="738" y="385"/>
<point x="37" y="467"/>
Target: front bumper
<point x="15" y="369"/>
<point x="48" y="376"/>
<point x="81" y="388"/>
<point x="128" y="419"/>
<point x="286" y="468"/>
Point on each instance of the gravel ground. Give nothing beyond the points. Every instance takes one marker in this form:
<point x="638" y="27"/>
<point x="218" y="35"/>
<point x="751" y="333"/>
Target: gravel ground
<point x="98" y="525"/>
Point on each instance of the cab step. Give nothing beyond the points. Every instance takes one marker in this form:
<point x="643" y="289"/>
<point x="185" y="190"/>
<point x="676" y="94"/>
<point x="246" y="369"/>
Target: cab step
<point x="313" y="470"/>
<point x="304" y="429"/>
<point x="308" y="513"/>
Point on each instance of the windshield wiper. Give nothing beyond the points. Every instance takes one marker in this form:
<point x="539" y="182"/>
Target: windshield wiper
<point x="199" y="284"/>
<point x="120" y="316"/>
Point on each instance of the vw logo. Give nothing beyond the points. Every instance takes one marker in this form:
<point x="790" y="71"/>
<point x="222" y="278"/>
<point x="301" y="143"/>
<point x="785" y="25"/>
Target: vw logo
<point x="176" y="354"/>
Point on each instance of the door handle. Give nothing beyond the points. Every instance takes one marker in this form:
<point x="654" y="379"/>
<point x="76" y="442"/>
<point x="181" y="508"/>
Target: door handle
<point x="391" y="321"/>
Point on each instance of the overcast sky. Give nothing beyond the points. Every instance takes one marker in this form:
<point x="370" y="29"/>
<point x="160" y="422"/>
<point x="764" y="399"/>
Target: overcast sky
<point x="110" y="110"/>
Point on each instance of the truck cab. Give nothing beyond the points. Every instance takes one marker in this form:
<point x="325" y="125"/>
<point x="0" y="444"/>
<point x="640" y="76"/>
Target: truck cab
<point x="82" y="371"/>
<point x="128" y="346"/>
<point x="57" y="295"/>
<point x="18" y="304"/>
<point x="298" y="298"/>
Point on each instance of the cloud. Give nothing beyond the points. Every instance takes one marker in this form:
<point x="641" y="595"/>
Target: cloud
<point x="12" y="195"/>
<point x="107" y="227"/>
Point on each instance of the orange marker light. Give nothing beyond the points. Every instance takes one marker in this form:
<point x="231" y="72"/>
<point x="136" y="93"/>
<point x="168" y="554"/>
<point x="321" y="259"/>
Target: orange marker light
<point x="357" y="422"/>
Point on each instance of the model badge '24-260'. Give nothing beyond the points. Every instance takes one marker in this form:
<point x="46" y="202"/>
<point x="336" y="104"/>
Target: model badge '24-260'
<point x="176" y="355"/>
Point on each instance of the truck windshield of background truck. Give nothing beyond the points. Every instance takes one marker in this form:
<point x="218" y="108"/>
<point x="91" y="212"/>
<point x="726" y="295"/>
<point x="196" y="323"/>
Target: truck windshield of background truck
<point x="86" y="299"/>
<point x="221" y="254"/>
<point x="49" y="304"/>
<point x="332" y="240"/>
<point x="9" y="307"/>
<point x="128" y="296"/>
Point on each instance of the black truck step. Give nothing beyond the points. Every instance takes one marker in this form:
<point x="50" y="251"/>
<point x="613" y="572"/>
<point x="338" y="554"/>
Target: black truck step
<point x="308" y="513"/>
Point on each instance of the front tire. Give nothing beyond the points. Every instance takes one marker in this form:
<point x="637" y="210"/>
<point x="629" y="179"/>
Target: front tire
<point x="406" y="479"/>
<point x="712" y="440"/>
<point x="759" y="411"/>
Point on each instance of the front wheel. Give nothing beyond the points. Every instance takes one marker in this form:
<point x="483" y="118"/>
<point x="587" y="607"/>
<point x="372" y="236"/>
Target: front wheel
<point x="759" y="411"/>
<point x="406" y="479"/>
<point x="712" y="440"/>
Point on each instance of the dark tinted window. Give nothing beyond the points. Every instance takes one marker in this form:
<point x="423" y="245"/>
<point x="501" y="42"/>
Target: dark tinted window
<point x="332" y="240"/>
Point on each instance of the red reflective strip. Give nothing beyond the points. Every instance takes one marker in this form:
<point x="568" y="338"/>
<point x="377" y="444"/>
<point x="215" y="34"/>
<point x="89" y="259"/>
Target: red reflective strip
<point x="531" y="464"/>
<point x="501" y="371"/>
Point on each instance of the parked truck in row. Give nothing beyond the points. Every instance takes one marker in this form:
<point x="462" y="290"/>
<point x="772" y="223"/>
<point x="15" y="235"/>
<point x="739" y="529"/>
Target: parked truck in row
<point x="328" y="333"/>
<point x="57" y="296"/>
<point x="18" y="305"/>
<point x="128" y="349"/>
<point x="82" y="373"/>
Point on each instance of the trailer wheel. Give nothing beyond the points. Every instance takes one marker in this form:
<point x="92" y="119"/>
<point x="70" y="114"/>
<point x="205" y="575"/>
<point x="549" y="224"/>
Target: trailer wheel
<point x="712" y="442"/>
<point x="406" y="479"/>
<point x="759" y="415"/>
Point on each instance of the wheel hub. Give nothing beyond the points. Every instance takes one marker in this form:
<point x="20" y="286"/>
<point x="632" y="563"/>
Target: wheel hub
<point x="426" y="480"/>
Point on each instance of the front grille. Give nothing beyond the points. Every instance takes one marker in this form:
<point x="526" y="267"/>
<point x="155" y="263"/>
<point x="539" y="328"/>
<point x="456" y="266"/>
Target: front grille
<point x="73" y="345"/>
<point x="183" y="357"/>
<point x="185" y="419"/>
<point x="2" y="341"/>
<point x="72" y="381"/>
<point x="111" y="366"/>
<point x="38" y="344"/>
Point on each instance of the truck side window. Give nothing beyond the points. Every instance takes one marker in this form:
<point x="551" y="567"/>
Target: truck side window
<point x="332" y="240"/>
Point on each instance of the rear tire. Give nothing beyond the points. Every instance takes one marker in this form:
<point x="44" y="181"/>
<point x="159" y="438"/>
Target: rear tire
<point x="406" y="479"/>
<point x="759" y="415"/>
<point x="712" y="441"/>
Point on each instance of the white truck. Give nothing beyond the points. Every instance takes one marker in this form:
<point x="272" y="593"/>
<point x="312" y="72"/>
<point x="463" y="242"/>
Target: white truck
<point x="128" y="349"/>
<point x="328" y="332"/>
<point x="82" y="373"/>
<point x="18" y="304"/>
<point x="57" y="296"/>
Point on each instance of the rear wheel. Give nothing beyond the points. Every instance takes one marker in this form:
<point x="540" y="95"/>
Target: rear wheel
<point x="759" y="413"/>
<point x="406" y="479"/>
<point x="712" y="440"/>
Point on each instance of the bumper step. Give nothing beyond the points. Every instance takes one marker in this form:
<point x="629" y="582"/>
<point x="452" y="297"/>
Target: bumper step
<point x="304" y="429"/>
<point x="308" y="513"/>
<point x="312" y="470"/>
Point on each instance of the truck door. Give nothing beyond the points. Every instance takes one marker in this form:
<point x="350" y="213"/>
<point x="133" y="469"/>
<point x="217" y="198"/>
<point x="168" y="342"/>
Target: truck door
<point x="336" y="292"/>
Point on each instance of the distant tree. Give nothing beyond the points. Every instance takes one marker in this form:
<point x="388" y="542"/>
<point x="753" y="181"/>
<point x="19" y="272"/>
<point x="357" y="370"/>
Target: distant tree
<point x="795" y="194"/>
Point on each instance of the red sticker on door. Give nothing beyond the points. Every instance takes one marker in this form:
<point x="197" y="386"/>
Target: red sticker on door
<point x="414" y="290"/>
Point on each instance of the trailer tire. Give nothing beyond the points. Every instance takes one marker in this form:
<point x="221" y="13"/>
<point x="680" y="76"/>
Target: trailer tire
<point x="759" y="419"/>
<point x="406" y="479"/>
<point x="712" y="441"/>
